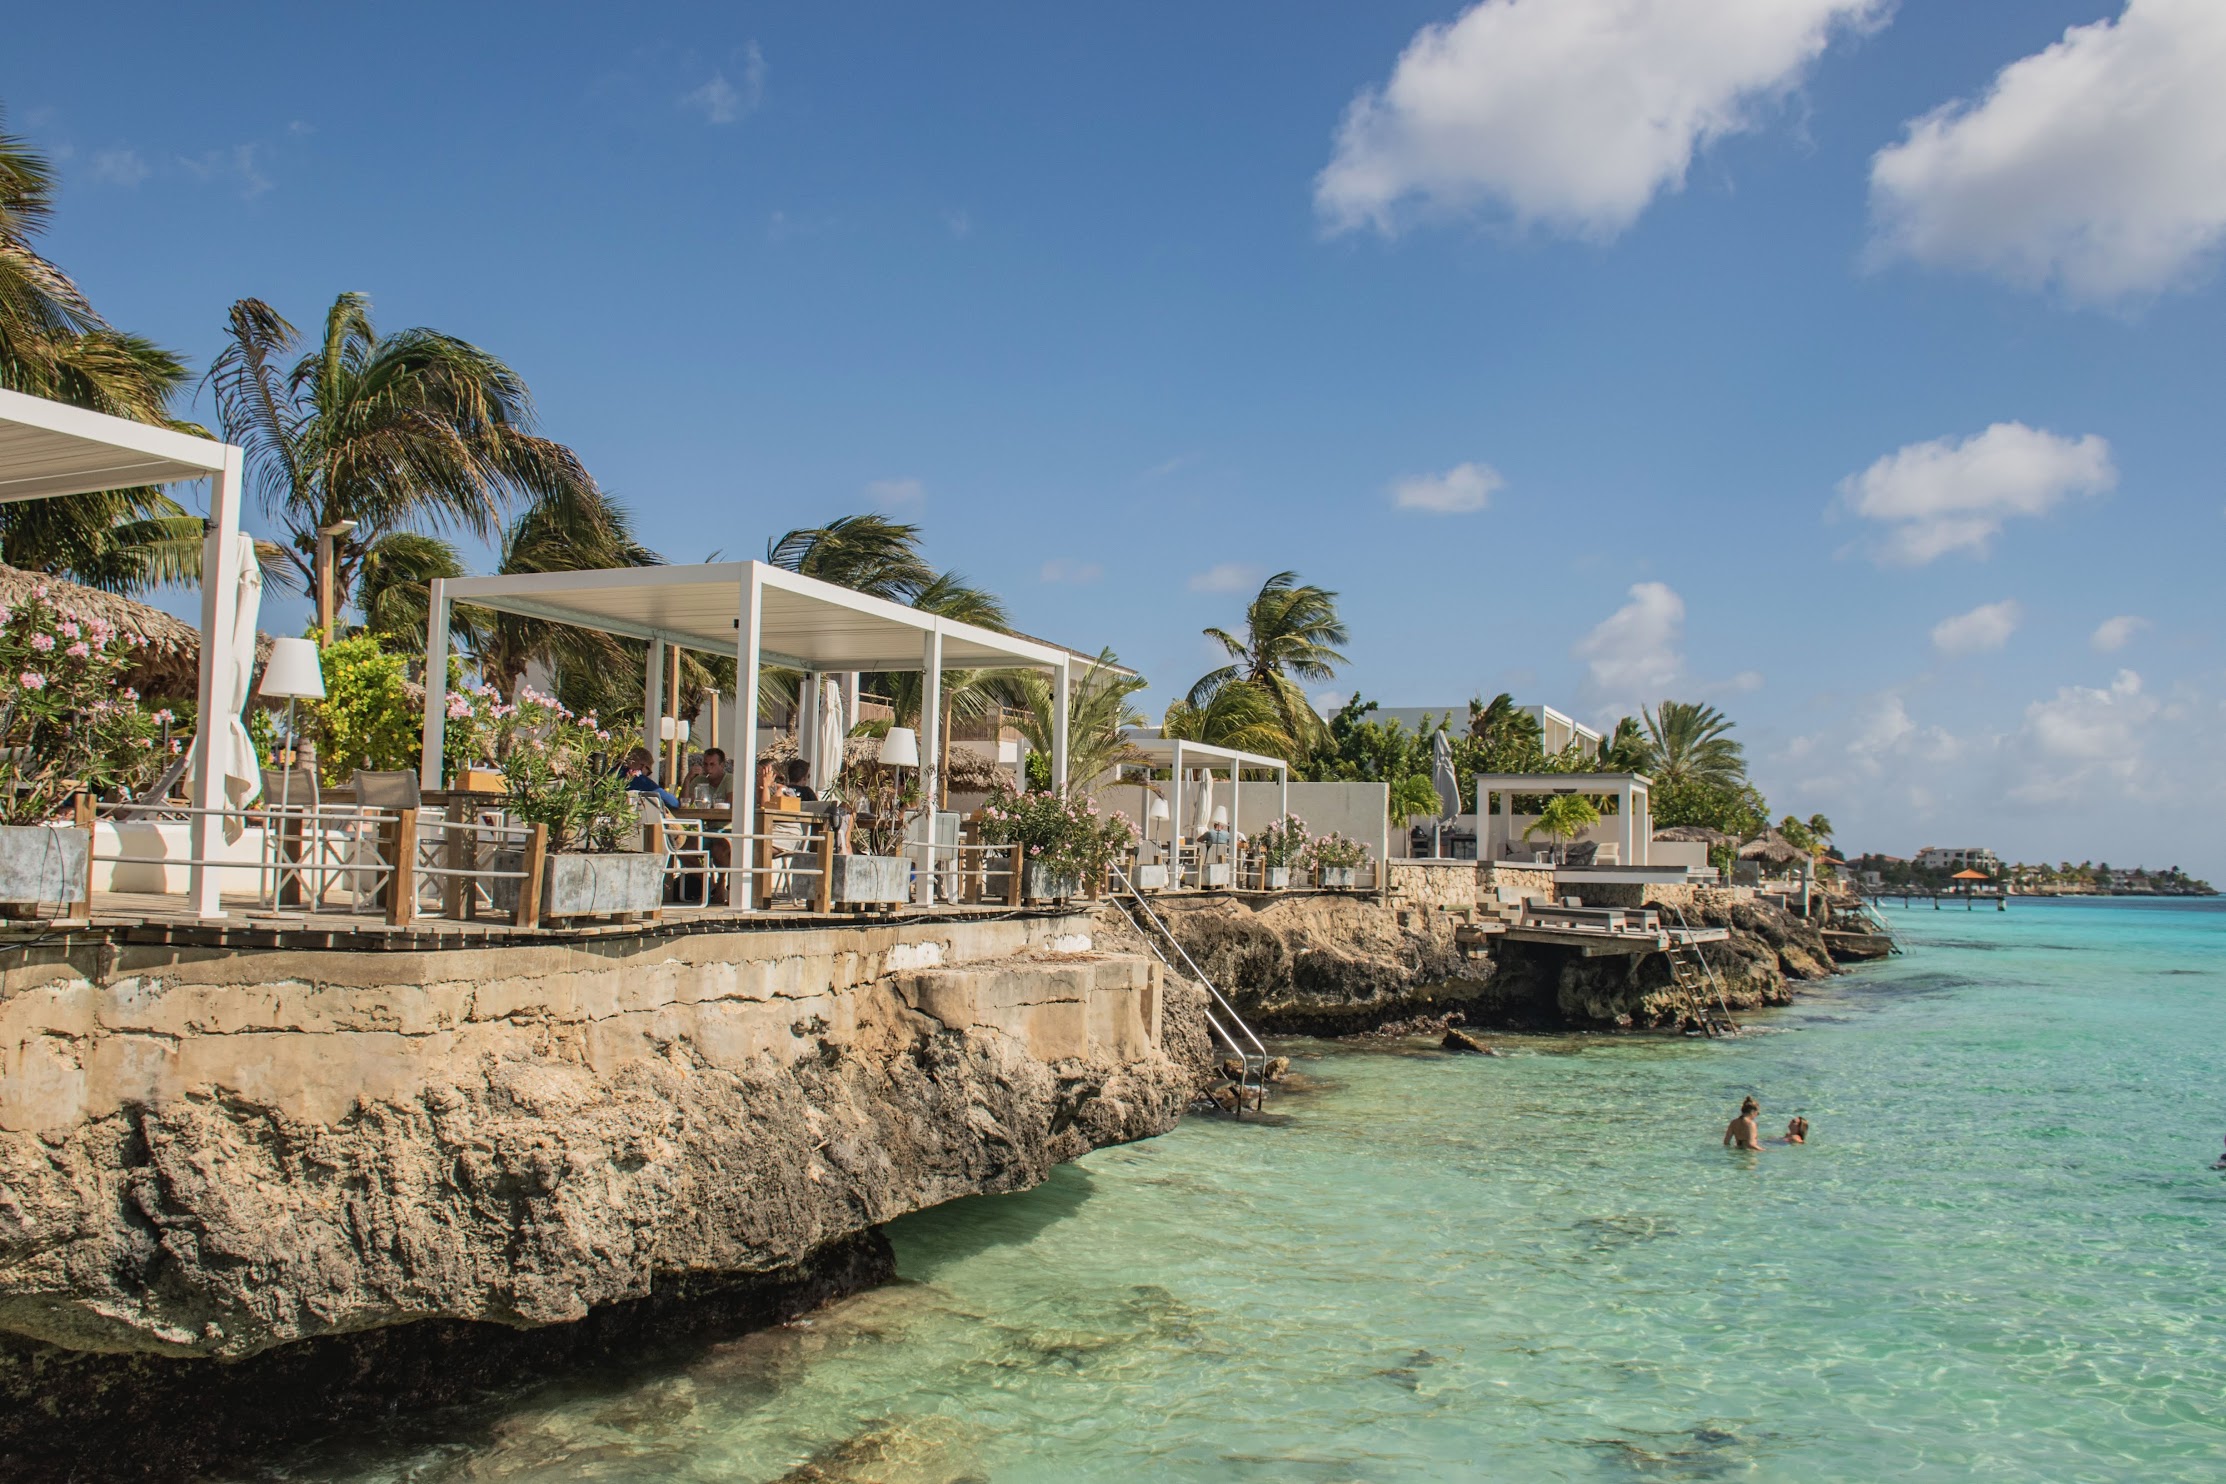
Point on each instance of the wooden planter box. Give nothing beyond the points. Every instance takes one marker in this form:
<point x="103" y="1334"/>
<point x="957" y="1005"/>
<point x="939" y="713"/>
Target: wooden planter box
<point x="1338" y="878"/>
<point x="872" y="880"/>
<point x="43" y="863"/>
<point x="609" y="885"/>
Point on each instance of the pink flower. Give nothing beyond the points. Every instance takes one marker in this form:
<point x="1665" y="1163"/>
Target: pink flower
<point x="32" y="680"/>
<point x="43" y="643"/>
<point x="69" y="629"/>
<point x="78" y="651"/>
<point x="163" y="717"/>
<point x="145" y="743"/>
<point x="128" y="694"/>
<point x="176" y="747"/>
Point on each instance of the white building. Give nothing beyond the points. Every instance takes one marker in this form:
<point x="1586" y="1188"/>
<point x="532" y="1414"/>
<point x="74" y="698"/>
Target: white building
<point x="1556" y="730"/>
<point x="1958" y="858"/>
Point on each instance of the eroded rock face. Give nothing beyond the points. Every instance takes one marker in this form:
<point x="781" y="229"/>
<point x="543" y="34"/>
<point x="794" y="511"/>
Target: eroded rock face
<point x="521" y="1159"/>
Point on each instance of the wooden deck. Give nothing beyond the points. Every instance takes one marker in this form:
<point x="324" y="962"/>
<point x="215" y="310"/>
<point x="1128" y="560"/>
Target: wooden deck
<point x="1602" y="943"/>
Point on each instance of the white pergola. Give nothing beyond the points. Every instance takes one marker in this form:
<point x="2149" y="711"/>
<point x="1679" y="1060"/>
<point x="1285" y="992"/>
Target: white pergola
<point x="1180" y="756"/>
<point x="1631" y="791"/>
<point x="760" y="615"/>
<point x="48" y="449"/>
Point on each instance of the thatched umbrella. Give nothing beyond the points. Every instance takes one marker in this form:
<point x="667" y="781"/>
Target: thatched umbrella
<point x="1772" y="847"/>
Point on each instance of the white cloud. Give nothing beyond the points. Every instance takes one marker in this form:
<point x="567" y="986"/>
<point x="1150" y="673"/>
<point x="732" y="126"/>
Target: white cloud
<point x="1955" y="494"/>
<point x="2114" y="634"/>
<point x="1572" y="114"/>
<point x="1064" y="570"/>
<point x="121" y="167"/>
<point x="904" y="491"/>
<point x="1458" y="491"/>
<point x="959" y="223"/>
<point x="2097" y="166"/>
<point x="1632" y="655"/>
<point x="1225" y="577"/>
<point x="2083" y="737"/>
<point x="722" y="102"/>
<point x="238" y="165"/>
<point x="1986" y="627"/>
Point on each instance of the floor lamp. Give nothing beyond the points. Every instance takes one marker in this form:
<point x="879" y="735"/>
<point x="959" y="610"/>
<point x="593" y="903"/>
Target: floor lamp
<point x="294" y="673"/>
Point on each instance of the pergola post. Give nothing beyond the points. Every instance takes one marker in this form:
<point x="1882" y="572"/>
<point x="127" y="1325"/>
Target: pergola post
<point x="1626" y="805"/>
<point x="931" y="755"/>
<point x="220" y="592"/>
<point x="1061" y="689"/>
<point x="742" y="849"/>
<point x="432" y="755"/>
<point x="653" y="703"/>
<point x="1175" y="819"/>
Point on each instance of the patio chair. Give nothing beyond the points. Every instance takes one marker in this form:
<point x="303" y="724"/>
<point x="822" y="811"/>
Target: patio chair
<point x="288" y="808"/>
<point x="381" y="792"/>
<point x="155" y="802"/>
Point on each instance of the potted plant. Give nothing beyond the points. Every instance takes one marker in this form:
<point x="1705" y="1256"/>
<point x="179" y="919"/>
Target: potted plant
<point x="877" y="808"/>
<point x="1277" y="848"/>
<point x="1336" y="860"/>
<point x="1065" y="843"/>
<point x="550" y="758"/>
<point x="68" y="723"/>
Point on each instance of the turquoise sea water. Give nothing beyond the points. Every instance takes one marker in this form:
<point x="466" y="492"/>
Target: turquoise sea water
<point x="2001" y="1257"/>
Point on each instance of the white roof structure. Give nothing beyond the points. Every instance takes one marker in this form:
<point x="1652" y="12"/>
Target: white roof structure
<point x="49" y="449"/>
<point x="761" y="615"/>
<point x="1180" y="756"/>
<point x="1631" y="791"/>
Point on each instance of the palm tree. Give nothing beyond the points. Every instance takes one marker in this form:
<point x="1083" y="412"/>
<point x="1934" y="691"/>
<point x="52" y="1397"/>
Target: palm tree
<point x="1625" y="750"/>
<point x="1690" y="744"/>
<point x="1565" y="817"/>
<point x="1237" y="714"/>
<point x="1099" y="713"/>
<point x="865" y="553"/>
<point x="1291" y="633"/>
<point x="53" y="345"/>
<point x="966" y="695"/>
<point x="415" y="432"/>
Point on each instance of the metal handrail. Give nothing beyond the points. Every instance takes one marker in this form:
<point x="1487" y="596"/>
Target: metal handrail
<point x="1255" y="1061"/>
<point x="1723" y="1003"/>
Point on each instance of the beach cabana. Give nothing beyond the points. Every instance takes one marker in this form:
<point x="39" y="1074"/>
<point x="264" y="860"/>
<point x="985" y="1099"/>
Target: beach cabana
<point x="760" y="615"/>
<point x="48" y="449"/>
<point x="1180" y="756"/>
<point x="1496" y="834"/>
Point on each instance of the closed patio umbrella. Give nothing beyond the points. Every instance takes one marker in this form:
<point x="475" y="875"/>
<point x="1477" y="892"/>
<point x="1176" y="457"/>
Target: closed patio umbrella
<point x="831" y="730"/>
<point x="1201" y="809"/>
<point x="243" y="772"/>
<point x="1443" y="778"/>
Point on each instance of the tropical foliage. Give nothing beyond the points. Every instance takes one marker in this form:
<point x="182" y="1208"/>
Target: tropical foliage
<point x="368" y="718"/>
<point x="1068" y="837"/>
<point x="1291" y="634"/>
<point x="1098" y="713"/>
<point x="1282" y="843"/>
<point x="1236" y="715"/>
<point x="1564" y="817"/>
<point x="67" y="720"/>
<point x="54" y="344"/>
<point x="553" y="766"/>
<point x="1334" y="852"/>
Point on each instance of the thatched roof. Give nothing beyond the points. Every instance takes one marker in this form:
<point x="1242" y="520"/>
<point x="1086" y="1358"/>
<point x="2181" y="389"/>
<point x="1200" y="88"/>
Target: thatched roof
<point x="971" y="772"/>
<point x="1772" y="847"/>
<point x="169" y="660"/>
<point x="1694" y="834"/>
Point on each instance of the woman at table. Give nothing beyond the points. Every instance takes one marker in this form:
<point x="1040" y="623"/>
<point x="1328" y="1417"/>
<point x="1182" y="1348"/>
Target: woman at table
<point x="639" y="772"/>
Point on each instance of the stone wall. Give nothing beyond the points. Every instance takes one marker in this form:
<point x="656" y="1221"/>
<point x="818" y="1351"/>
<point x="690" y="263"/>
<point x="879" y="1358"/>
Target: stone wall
<point x="211" y="1153"/>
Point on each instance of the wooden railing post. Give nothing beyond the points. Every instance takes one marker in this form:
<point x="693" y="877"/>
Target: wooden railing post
<point x="401" y="883"/>
<point x="657" y="849"/>
<point x="82" y="816"/>
<point x="1019" y="859"/>
<point x="823" y="895"/>
<point x="459" y="852"/>
<point x="528" y="914"/>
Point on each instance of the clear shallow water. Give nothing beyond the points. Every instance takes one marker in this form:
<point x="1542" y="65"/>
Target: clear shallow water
<point x="2000" y="1258"/>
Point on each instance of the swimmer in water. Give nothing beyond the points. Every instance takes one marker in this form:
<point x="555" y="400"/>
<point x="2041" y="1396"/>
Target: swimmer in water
<point x="1797" y="1132"/>
<point x="1741" y="1132"/>
<point x="2221" y="1164"/>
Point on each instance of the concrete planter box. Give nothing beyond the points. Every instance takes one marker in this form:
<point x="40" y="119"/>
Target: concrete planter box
<point x="1152" y="877"/>
<point x="43" y="863"/>
<point x="872" y="880"/>
<point x="1339" y="878"/>
<point x="1037" y="885"/>
<point x="1275" y="878"/>
<point x="586" y="885"/>
<point x="1213" y="874"/>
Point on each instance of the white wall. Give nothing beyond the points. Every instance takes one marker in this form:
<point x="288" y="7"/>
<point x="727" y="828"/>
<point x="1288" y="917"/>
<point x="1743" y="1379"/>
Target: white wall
<point x="1354" y="810"/>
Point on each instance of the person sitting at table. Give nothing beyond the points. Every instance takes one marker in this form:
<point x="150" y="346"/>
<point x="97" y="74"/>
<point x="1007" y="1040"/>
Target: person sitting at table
<point x="800" y="780"/>
<point x="714" y="778"/>
<point x="638" y="771"/>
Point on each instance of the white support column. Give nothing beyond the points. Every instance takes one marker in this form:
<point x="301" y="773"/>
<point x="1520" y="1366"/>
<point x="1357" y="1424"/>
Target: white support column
<point x="1643" y="813"/>
<point x="931" y="755"/>
<point x="1175" y="819"/>
<point x="1627" y="807"/>
<point x="220" y="600"/>
<point x="1236" y="818"/>
<point x="432" y="755"/>
<point x="653" y="705"/>
<point x="807" y="719"/>
<point x="1061" y="689"/>
<point x="1282" y="796"/>
<point x="742" y="850"/>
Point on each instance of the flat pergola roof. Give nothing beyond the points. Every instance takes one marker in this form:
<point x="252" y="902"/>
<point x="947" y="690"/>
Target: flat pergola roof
<point x="49" y="449"/>
<point x="1163" y="750"/>
<point x="804" y="624"/>
<point x="1563" y="783"/>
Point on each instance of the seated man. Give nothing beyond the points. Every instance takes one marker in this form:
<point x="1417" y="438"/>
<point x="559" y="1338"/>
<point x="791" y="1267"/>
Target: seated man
<point x="717" y="789"/>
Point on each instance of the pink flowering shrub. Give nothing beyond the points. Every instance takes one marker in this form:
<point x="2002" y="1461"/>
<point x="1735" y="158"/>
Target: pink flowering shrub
<point x="1334" y="852"/>
<point x="67" y="721"/>
<point x="1281" y="844"/>
<point x="1071" y="838"/>
<point x="555" y="762"/>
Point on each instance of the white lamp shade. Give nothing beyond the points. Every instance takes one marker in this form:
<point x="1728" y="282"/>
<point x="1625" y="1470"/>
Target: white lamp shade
<point x="901" y="748"/>
<point x="1156" y="807"/>
<point x="293" y="671"/>
<point x="664" y="729"/>
<point x="682" y="724"/>
<point x="1220" y="818"/>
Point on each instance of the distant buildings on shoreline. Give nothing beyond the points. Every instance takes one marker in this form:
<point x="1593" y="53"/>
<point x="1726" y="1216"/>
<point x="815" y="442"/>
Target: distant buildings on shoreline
<point x="1935" y="868"/>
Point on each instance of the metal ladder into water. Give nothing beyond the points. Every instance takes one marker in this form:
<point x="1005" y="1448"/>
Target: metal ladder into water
<point x="1250" y="1085"/>
<point x="1696" y="979"/>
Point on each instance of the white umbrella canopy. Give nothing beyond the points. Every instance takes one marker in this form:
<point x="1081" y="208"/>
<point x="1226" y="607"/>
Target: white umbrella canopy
<point x="1201" y="806"/>
<point x="831" y="732"/>
<point x="1443" y="778"/>
<point x="243" y="773"/>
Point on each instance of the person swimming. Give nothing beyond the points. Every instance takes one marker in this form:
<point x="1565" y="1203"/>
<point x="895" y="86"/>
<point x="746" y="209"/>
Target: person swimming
<point x="1741" y="1132"/>
<point x="1797" y="1132"/>
<point x="2221" y="1163"/>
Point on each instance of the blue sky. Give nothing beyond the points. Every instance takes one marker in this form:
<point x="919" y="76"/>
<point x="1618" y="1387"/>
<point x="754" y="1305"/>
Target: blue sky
<point x="1131" y="307"/>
